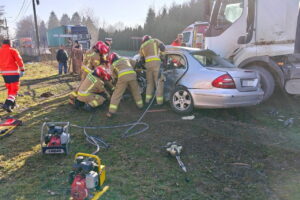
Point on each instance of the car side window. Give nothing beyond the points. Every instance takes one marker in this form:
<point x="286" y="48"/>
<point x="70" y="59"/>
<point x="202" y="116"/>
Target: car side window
<point x="205" y="60"/>
<point x="175" y="61"/>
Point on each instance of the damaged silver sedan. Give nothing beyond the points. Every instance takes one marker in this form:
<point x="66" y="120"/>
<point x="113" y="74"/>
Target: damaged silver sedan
<point x="201" y="79"/>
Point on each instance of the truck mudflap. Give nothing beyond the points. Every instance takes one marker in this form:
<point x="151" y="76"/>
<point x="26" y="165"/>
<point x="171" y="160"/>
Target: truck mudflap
<point x="293" y="86"/>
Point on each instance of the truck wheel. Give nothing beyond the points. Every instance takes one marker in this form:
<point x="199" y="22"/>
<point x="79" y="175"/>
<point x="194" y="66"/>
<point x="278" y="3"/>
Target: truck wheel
<point x="267" y="81"/>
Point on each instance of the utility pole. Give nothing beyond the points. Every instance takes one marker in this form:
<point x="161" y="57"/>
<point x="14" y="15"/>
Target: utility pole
<point x="6" y="27"/>
<point x="36" y="29"/>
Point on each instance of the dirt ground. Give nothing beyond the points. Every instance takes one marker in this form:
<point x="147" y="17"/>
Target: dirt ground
<point x="242" y="153"/>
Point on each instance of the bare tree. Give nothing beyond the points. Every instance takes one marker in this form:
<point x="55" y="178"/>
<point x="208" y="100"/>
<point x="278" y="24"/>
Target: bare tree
<point x="25" y="27"/>
<point x="92" y="29"/>
<point x="91" y="22"/>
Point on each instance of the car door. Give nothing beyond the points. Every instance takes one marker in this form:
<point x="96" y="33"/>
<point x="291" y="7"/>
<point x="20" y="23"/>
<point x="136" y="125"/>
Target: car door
<point x="174" y="67"/>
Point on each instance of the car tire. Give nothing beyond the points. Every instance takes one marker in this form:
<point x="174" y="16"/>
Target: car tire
<point x="181" y="101"/>
<point x="267" y="81"/>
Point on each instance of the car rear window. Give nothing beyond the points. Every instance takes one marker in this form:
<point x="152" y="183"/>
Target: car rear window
<point x="210" y="59"/>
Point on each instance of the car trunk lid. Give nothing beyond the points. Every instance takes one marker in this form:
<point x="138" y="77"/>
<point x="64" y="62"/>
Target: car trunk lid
<point x="245" y="80"/>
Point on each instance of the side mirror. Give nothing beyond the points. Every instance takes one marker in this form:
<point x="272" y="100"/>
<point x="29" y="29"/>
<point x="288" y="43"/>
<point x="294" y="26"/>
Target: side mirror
<point x="242" y="40"/>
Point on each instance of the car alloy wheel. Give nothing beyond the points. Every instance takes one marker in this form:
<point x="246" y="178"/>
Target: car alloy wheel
<point x="182" y="101"/>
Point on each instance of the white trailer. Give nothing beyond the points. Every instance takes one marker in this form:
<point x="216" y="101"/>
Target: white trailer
<point x="259" y="35"/>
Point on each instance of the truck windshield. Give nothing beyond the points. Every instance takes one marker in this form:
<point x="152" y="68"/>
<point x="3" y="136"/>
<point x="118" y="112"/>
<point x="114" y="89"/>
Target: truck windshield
<point x="210" y="59"/>
<point x="186" y="37"/>
<point x="229" y="12"/>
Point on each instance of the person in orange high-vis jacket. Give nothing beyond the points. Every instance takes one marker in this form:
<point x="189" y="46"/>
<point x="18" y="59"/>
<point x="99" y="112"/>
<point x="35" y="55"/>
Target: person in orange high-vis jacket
<point x="11" y="68"/>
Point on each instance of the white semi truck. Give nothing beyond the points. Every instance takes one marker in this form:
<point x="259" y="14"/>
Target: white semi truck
<point x="259" y="35"/>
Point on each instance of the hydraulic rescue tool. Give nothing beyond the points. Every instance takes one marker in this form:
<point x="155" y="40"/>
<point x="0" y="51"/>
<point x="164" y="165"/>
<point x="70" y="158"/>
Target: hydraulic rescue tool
<point x="55" y="138"/>
<point x="7" y="126"/>
<point x="87" y="177"/>
<point x="175" y="149"/>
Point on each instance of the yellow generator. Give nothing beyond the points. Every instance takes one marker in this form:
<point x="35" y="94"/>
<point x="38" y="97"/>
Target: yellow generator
<point x="87" y="177"/>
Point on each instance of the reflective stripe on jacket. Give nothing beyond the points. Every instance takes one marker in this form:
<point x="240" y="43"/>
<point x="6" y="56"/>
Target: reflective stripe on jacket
<point x="122" y="67"/>
<point x="150" y="50"/>
<point x="11" y="62"/>
<point x="91" y="85"/>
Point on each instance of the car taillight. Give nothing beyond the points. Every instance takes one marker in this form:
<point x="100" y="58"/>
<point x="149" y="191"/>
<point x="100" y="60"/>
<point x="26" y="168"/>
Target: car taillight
<point x="224" y="81"/>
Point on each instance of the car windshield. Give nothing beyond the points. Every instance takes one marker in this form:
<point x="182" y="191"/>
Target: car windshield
<point x="210" y="59"/>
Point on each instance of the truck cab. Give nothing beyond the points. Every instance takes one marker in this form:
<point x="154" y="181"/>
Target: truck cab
<point x="194" y="35"/>
<point x="258" y="35"/>
<point x="66" y="35"/>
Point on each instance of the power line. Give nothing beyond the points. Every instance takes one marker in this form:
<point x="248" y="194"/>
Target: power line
<point x="29" y="4"/>
<point x="20" y="11"/>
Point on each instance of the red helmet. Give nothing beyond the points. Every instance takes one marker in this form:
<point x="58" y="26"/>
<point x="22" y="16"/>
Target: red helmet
<point x="102" y="73"/>
<point x="102" y="48"/>
<point x="113" y="57"/>
<point x="145" y="38"/>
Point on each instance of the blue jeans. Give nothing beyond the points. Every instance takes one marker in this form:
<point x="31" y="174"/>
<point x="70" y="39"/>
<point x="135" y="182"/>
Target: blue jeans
<point x="60" y="67"/>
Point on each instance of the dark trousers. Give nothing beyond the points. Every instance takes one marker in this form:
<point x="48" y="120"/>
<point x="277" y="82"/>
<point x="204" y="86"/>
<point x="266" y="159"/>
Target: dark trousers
<point x="62" y="65"/>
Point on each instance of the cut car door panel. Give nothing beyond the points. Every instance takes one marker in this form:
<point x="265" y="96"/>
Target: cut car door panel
<point x="174" y="67"/>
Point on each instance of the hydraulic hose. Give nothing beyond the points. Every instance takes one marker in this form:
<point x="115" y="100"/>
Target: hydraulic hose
<point x="98" y="142"/>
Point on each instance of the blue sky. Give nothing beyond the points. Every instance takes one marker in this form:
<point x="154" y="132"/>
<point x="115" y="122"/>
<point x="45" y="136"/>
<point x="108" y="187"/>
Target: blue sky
<point x="130" y="12"/>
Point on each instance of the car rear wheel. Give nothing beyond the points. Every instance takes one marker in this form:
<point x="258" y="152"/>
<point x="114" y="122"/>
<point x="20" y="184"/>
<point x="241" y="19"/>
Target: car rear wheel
<point x="181" y="101"/>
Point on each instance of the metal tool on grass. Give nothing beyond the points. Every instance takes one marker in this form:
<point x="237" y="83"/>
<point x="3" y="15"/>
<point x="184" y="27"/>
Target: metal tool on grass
<point x="175" y="149"/>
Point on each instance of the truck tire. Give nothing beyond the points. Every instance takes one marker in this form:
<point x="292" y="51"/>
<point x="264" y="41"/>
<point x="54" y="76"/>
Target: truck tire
<point x="267" y="81"/>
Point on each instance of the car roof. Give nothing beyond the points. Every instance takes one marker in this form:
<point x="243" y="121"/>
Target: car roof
<point x="181" y="49"/>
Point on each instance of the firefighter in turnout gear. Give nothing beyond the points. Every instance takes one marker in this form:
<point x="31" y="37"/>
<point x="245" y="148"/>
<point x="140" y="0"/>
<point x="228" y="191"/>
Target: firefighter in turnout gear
<point x="11" y="68"/>
<point x="87" y="62"/>
<point x="93" y="91"/>
<point x="150" y="52"/>
<point x="124" y="72"/>
<point x="95" y="57"/>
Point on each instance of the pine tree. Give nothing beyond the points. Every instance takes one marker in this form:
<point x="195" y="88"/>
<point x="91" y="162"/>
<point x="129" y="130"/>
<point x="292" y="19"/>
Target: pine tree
<point x="1" y="22"/>
<point x="165" y="25"/>
<point x="150" y="22"/>
<point x="102" y="34"/>
<point x="65" y="20"/>
<point x="43" y="34"/>
<point x="75" y="20"/>
<point x="53" y="21"/>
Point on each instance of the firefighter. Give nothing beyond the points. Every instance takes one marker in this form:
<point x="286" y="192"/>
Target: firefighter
<point x="93" y="91"/>
<point x="108" y="42"/>
<point x="93" y="59"/>
<point x="11" y="68"/>
<point x="97" y="56"/>
<point x="150" y="52"/>
<point x="124" y="72"/>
